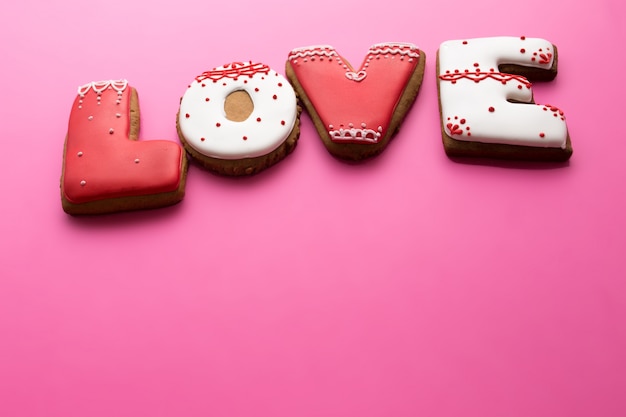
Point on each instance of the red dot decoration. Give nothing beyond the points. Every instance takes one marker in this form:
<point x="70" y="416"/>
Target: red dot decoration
<point x="523" y="50"/>
<point x="187" y="115"/>
<point x="218" y="124"/>
<point x="274" y="96"/>
<point x="491" y="109"/>
<point x="542" y="135"/>
<point x="245" y="138"/>
<point x="258" y="119"/>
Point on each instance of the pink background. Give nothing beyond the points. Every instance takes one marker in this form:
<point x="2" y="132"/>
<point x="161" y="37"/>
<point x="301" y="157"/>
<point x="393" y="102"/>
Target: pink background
<point x="410" y="285"/>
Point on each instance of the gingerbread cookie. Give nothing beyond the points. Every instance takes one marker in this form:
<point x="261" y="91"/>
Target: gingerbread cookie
<point x="105" y="168"/>
<point x="239" y="119"/>
<point x="357" y="111"/>
<point x="486" y="101"/>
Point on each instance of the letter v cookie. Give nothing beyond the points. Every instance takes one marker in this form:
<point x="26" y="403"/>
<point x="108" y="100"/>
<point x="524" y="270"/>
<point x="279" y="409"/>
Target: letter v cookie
<point x="105" y="168"/>
<point x="357" y="111"/>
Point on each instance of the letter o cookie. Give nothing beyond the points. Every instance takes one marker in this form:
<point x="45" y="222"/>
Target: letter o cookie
<point x="239" y="119"/>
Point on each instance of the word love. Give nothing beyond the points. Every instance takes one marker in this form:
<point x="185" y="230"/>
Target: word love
<point x="485" y="99"/>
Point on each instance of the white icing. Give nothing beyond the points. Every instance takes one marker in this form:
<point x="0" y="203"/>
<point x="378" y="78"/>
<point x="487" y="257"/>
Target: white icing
<point x="364" y="134"/>
<point x="395" y="48"/>
<point x="99" y="86"/>
<point x="402" y="49"/>
<point x="204" y="124"/>
<point x="356" y="76"/>
<point x="476" y="99"/>
<point x="312" y="51"/>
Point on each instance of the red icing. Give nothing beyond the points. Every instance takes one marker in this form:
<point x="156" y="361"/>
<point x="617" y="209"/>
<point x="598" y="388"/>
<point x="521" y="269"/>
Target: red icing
<point x="100" y="160"/>
<point x="361" y="101"/>
<point x="234" y="71"/>
<point x="454" y="129"/>
<point x="478" y="76"/>
<point x="544" y="57"/>
<point x="555" y="110"/>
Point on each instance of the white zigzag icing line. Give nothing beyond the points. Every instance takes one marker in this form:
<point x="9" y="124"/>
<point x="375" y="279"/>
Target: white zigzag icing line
<point x="395" y="49"/>
<point x="99" y="86"/>
<point x="307" y="51"/>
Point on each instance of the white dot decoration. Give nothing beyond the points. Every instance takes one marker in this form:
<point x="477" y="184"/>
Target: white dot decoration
<point x="265" y="128"/>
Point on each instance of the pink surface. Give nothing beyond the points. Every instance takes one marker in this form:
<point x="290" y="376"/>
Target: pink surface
<point x="411" y="285"/>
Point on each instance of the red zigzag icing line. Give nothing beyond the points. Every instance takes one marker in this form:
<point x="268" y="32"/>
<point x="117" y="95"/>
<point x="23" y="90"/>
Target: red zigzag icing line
<point x="234" y="71"/>
<point x="478" y="76"/>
